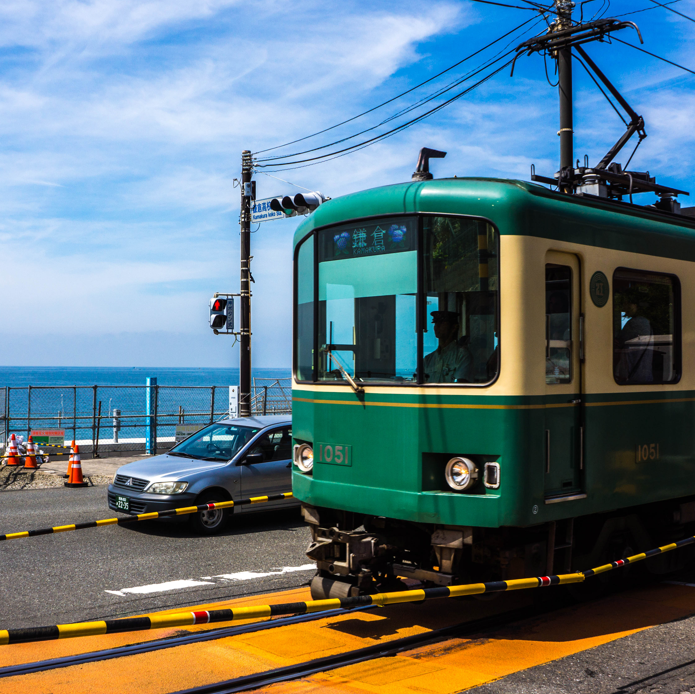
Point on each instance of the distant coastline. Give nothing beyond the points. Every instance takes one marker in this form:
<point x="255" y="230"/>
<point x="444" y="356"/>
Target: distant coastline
<point x="23" y="376"/>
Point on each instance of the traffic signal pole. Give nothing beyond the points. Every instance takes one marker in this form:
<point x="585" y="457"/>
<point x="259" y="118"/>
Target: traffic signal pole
<point x="245" y="290"/>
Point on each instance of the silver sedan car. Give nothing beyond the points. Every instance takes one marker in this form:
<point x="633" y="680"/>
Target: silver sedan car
<point x="229" y="460"/>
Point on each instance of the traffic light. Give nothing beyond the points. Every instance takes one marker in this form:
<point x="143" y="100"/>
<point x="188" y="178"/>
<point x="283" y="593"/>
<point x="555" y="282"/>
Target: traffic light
<point x="301" y="203"/>
<point x="222" y="314"/>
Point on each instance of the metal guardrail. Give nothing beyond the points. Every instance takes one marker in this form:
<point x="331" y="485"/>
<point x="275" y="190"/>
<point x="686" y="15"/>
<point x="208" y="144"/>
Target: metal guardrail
<point x="137" y="417"/>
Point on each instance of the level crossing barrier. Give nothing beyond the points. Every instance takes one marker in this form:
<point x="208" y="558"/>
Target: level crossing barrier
<point x="184" y="510"/>
<point x="234" y="614"/>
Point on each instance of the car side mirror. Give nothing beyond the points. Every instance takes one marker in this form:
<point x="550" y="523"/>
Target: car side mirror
<point x="253" y="458"/>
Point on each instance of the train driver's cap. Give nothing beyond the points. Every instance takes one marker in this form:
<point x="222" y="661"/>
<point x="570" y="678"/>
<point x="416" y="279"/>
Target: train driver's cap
<point x="441" y="316"/>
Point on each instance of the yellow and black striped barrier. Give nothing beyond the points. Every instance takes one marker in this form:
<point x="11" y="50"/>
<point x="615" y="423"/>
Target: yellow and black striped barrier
<point x="147" y="516"/>
<point x="114" y="626"/>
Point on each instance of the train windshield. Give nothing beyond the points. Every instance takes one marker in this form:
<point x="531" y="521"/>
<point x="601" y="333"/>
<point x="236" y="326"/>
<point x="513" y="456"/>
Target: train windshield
<point x="400" y="300"/>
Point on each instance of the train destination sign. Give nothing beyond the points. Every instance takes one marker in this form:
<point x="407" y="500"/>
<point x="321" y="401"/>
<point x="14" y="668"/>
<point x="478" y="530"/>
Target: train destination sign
<point x="375" y="238"/>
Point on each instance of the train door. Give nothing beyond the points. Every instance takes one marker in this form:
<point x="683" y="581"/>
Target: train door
<point x="563" y="389"/>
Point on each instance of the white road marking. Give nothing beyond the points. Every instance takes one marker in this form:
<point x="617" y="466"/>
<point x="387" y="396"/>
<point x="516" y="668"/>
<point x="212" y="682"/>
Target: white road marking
<point x="680" y="583"/>
<point x="161" y="587"/>
<point x="249" y="575"/>
<point x="207" y="581"/>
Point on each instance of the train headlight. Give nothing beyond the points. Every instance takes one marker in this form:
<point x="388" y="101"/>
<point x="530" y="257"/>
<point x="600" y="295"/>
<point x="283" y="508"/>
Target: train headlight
<point x="461" y="474"/>
<point x="304" y="457"/>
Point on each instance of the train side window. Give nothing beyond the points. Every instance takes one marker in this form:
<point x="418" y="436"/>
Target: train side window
<point x="646" y="327"/>
<point x="558" y="324"/>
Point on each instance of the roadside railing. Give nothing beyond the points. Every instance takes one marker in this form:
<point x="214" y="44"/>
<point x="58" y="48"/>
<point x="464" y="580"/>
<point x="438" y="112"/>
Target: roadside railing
<point x="131" y="418"/>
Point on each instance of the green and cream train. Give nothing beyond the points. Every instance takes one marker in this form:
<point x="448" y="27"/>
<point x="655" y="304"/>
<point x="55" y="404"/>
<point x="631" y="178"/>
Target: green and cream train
<point x="491" y="380"/>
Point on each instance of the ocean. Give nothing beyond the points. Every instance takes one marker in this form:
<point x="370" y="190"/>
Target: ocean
<point x="54" y="402"/>
<point x="23" y="376"/>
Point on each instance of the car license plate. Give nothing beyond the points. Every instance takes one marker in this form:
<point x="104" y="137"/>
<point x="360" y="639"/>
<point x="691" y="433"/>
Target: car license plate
<point x="123" y="503"/>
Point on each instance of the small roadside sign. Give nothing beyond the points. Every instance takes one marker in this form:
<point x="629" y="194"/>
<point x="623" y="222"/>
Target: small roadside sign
<point x="261" y="212"/>
<point x="183" y="431"/>
<point x="233" y="402"/>
<point x="55" y="437"/>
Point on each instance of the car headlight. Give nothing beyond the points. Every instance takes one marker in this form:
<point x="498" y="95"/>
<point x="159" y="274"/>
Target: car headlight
<point x="461" y="473"/>
<point x="304" y="457"/>
<point x="167" y="487"/>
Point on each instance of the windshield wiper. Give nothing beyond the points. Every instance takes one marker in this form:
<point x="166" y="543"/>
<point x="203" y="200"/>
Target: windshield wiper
<point x="180" y="455"/>
<point x="346" y="375"/>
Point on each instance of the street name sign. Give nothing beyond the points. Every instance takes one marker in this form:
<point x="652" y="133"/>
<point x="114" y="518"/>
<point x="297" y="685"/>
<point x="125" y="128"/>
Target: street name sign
<point x="261" y="212"/>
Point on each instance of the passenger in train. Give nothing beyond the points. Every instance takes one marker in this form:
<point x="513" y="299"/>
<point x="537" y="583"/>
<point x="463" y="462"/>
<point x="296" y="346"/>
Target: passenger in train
<point x="633" y="345"/>
<point x="450" y="362"/>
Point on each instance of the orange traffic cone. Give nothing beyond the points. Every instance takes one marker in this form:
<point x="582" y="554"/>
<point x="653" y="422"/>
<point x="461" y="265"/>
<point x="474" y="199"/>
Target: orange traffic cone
<point x="76" y="479"/>
<point x="72" y="452"/>
<point x="30" y="458"/>
<point x="13" y="455"/>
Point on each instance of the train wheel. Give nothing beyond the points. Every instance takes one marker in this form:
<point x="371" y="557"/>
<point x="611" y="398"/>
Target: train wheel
<point x="328" y="588"/>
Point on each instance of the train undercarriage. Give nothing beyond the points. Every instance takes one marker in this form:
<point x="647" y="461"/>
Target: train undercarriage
<point x="361" y="554"/>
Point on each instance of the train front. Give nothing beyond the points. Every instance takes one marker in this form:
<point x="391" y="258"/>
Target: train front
<point x="397" y="423"/>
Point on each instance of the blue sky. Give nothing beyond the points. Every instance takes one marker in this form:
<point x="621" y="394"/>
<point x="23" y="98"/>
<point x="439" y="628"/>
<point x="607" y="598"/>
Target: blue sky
<point x="122" y="123"/>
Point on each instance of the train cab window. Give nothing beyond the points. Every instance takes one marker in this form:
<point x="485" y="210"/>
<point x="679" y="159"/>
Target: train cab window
<point x="460" y="331"/>
<point x="558" y="324"/>
<point x="646" y="327"/>
<point x="304" y="312"/>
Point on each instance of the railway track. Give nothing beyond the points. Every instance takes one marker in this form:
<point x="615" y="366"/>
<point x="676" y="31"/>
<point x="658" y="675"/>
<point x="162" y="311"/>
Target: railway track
<point x="166" y="643"/>
<point x="292" y="672"/>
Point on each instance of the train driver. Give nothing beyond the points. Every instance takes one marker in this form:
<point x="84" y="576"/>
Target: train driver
<point x="450" y="362"/>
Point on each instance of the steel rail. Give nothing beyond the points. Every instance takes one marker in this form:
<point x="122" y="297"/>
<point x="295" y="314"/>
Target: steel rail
<point x="128" y="624"/>
<point x="332" y="662"/>
<point x="165" y="643"/>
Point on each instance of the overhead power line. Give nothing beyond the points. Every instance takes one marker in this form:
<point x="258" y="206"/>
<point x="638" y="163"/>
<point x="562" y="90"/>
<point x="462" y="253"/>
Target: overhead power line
<point x="501" y="4"/>
<point x="654" y="55"/>
<point x="644" y="9"/>
<point x="670" y="9"/>
<point x="397" y="129"/>
<point x="398" y="96"/>
<point x="595" y="81"/>
<point x="378" y="125"/>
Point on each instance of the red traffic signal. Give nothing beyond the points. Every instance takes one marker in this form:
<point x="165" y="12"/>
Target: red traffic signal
<point x="222" y="314"/>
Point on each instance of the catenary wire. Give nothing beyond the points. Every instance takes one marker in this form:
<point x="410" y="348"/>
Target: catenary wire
<point x="654" y="55"/>
<point x="395" y="98"/>
<point x="377" y="138"/>
<point x="491" y="61"/>
<point x="670" y="9"/>
<point x="500" y="4"/>
<point x="268" y="160"/>
<point x="644" y="9"/>
<point x="459" y="80"/>
<point x="595" y="81"/>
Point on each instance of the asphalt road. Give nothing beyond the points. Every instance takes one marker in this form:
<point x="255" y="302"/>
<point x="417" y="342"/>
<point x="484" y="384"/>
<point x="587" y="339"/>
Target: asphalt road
<point x="115" y="571"/>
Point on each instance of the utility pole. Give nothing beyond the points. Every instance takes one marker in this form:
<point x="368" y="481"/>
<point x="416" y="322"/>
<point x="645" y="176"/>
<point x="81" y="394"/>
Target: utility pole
<point x="245" y="291"/>
<point x="563" y="8"/>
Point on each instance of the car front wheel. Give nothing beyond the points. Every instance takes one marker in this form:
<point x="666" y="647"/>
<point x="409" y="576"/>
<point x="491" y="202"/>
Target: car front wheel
<point x="211" y="521"/>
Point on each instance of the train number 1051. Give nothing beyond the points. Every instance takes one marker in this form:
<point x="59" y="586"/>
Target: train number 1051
<point x="647" y="451"/>
<point x="335" y="454"/>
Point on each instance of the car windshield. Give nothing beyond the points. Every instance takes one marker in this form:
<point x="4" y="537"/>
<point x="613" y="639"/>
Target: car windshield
<point x="216" y="442"/>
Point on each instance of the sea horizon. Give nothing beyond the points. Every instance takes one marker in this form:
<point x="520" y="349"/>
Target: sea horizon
<point x="37" y="376"/>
